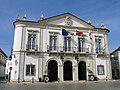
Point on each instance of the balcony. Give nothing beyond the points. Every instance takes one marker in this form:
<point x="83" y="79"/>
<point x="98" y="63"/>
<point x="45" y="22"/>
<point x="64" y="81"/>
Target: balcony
<point x="100" y="51"/>
<point x="59" y="49"/>
<point x="31" y="47"/>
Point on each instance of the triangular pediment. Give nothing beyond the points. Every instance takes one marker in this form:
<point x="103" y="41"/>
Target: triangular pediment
<point x="67" y="19"/>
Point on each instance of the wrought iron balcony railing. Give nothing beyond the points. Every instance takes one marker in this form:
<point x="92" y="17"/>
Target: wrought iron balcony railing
<point x="67" y="49"/>
<point x="99" y="51"/>
<point x="32" y="47"/>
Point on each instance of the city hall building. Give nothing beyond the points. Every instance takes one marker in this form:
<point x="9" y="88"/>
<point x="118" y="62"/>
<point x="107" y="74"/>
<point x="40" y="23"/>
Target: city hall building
<point x="64" y="47"/>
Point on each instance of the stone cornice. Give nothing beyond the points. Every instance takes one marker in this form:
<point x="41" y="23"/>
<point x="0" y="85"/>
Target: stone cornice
<point x="36" y="24"/>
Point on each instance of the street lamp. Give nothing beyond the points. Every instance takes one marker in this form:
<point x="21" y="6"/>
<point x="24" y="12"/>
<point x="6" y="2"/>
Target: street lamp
<point x="10" y="73"/>
<point x="114" y="67"/>
<point x="112" y="56"/>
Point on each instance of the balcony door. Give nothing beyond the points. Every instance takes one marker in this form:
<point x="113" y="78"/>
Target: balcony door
<point x="31" y="41"/>
<point x="67" y="43"/>
<point x="81" y="42"/>
<point x="98" y="43"/>
<point x="53" y="43"/>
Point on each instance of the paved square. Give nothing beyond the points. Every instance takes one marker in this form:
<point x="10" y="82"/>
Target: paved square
<point x="100" y="85"/>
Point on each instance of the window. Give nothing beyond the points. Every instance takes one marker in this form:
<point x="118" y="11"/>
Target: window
<point x="98" y="43"/>
<point x="7" y="71"/>
<point x="81" y="42"/>
<point x="100" y="69"/>
<point x="67" y="43"/>
<point x="31" y="41"/>
<point x="53" y="42"/>
<point x="8" y="64"/>
<point x="30" y="69"/>
<point x="11" y="64"/>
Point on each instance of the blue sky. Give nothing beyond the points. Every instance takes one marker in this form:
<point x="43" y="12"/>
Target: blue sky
<point x="107" y="11"/>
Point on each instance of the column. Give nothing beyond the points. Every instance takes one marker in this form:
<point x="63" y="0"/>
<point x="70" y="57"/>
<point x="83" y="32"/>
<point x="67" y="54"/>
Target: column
<point x="60" y="72"/>
<point x="21" y="66"/>
<point x="75" y="73"/>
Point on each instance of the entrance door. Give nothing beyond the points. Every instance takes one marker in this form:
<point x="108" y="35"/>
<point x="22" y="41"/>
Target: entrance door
<point x="53" y="70"/>
<point x="68" y="70"/>
<point x="82" y="70"/>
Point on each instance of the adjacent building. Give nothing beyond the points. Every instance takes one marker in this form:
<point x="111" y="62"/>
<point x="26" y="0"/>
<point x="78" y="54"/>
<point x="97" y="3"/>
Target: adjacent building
<point x="64" y="47"/>
<point x="8" y="69"/>
<point x="115" y="63"/>
<point x="3" y="57"/>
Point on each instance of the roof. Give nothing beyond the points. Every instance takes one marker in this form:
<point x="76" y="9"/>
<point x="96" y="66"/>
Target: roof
<point x="3" y="52"/>
<point x="43" y="20"/>
<point x="118" y="49"/>
<point x="63" y="15"/>
<point x="57" y="16"/>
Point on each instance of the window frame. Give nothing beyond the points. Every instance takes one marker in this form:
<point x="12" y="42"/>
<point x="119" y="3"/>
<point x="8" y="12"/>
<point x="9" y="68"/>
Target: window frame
<point x="29" y="73"/>
<point x="31" y="44"/>
<point x="98" y="44"/>
<point x="67" y="44"/>
<point x="53" y="42"/>
<point x="81" y="44"/>
<point x="102" y="68"/>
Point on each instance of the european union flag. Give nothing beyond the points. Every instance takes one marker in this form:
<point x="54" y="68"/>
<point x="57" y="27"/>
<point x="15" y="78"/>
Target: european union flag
<point x="64" y="32"/>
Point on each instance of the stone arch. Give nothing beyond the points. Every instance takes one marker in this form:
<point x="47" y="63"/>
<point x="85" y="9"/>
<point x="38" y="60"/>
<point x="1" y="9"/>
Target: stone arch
<point x="53" y="68"/>
<point x="68" y="69"/>
<point x="81" y="70"/>
<point x="74" y="62"/>
<point x="55" y="59"/>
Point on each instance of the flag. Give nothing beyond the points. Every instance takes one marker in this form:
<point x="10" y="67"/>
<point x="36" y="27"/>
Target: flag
<point x="64" y="32"/>
<point x="79" y="33"/>
<point x="91" y="42"/>
<point x="74" y="42"/>
<point x="90" y="35"/>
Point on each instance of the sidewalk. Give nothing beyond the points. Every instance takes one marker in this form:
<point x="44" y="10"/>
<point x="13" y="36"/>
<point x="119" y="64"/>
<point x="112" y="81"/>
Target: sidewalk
<point x="3" y="81"/>
<point x="56" y="82"/>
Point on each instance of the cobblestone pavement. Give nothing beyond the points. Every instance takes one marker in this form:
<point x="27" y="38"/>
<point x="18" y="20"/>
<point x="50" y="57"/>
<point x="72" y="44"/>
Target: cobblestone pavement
<point x="100" y="85"/>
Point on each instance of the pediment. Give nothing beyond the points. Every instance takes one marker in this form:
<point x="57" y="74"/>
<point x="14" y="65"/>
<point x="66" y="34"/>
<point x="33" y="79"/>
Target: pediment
<point x="67" y="19"/>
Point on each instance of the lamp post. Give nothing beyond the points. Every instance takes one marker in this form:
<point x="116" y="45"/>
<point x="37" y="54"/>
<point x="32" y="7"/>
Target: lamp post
<point x="114" y="67"/>
<point x="10" y="73"/>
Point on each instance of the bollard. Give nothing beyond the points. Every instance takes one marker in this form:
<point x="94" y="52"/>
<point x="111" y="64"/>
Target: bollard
<point x="9" y="77"/>
<point x="40" y="79"/>
<point x="32" y="80"/>
<point x="95" y="79"/>
<point x="18" y="80"/>
<point x="106" y="78"/>
<point x="58" y="80"/>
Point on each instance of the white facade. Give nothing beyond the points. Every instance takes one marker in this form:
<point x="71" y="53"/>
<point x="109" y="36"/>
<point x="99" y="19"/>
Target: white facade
<point x="7" y="68"/>
<point x="40" y="48"/>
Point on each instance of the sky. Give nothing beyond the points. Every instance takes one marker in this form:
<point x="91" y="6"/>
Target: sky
<point x="98" y="11"/>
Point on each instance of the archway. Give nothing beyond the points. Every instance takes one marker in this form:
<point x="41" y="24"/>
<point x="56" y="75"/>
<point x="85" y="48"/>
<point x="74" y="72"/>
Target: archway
<point x="82" y="70"/>
<point x="68" y="70"/>
<point x="53" y="70"/>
